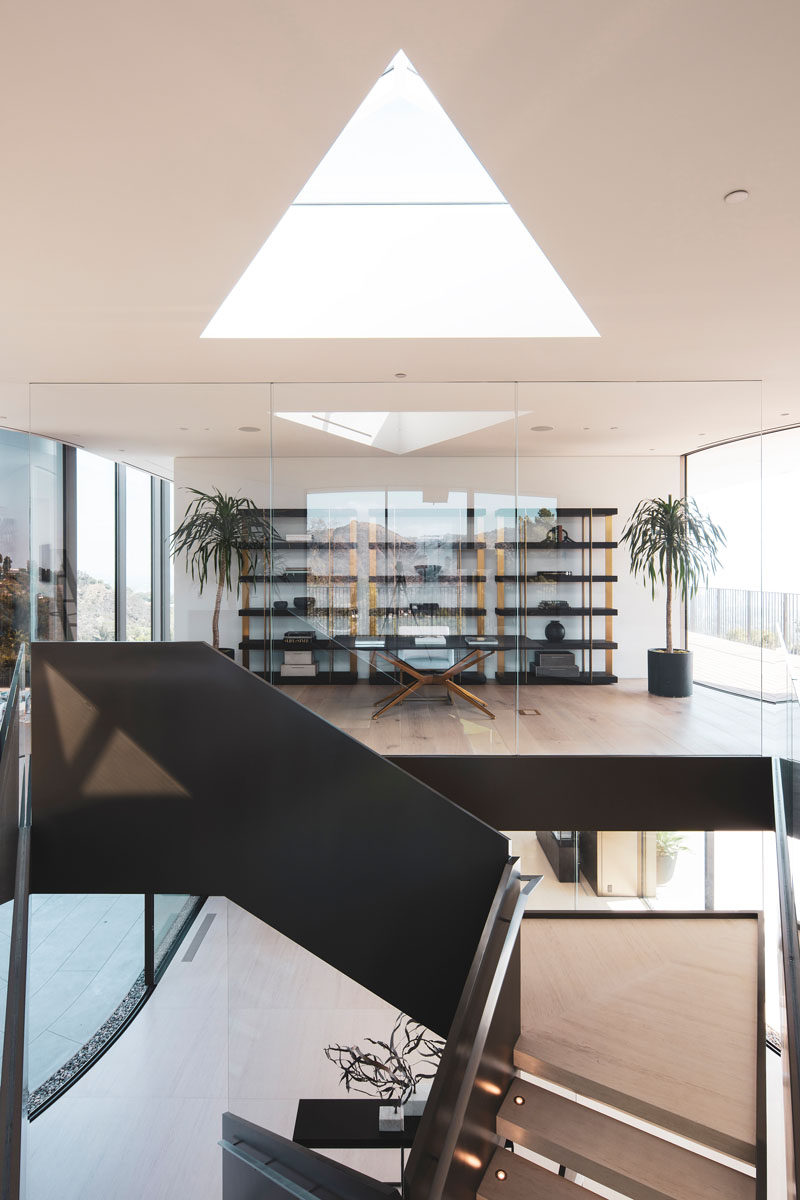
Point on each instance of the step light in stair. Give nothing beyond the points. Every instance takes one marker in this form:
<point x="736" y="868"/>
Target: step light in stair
<point x="500" y="1174"/>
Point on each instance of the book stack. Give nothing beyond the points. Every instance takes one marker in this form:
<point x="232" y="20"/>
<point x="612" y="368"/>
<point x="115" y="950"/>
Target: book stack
<point x="298" y="659"/>
<point x="298" y="663"/>
<point x="555" y="664"/>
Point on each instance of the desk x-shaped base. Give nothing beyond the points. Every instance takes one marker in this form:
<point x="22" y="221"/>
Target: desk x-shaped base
<point x="443" y="678"/>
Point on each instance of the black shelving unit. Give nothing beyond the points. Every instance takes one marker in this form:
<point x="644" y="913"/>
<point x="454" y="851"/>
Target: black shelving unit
<point x="367" y="580"/>
<point x="522" y="555"/>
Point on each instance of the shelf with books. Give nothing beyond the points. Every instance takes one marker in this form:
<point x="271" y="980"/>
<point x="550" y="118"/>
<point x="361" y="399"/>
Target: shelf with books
<point x="525" y="592"/>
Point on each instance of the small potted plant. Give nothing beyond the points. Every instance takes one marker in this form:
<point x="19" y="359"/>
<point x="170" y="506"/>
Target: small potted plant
<point x="668" y="846"/>
<point x="672" y="543"/>
<point x="217" y="531"/>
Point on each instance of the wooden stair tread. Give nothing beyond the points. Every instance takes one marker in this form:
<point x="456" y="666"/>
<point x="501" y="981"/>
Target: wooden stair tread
<point x="525" y="1181"/>
<point x="655" y="1016"/>
<point x="619" y="1156"/>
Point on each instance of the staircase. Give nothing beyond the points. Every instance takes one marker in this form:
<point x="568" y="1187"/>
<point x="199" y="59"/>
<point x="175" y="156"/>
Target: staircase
<point x="602" y="1148"/>
<point x="635" y="1067"/>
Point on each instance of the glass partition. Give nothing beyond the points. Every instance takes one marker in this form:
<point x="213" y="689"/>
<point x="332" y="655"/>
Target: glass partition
<point x="387" y="502"/>
<point x="630" y="870"/>
<point x="16" y="584"/>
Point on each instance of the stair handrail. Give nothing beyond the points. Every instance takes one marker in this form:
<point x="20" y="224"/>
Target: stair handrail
<point x="12" y="699"/>
<point x="790" y="952"/>
<point x="13" y="1083"/>
<point x="485" y="979"/>
<point x="288" y="1186"/>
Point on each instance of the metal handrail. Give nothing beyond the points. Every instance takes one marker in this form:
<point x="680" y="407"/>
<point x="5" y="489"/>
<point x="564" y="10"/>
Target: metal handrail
<point x="13" y="1087"/>
<point x="267" y="1172"/>
<point x="477" y="1009"/>
<point x="790" y="948"/>
<point x="12" y="700"/>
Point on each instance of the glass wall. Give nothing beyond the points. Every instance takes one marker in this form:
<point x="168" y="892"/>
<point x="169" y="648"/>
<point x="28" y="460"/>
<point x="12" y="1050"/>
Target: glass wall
<point x="16" y="584"/>
<point x="96" y="548"/>
<point x="138" y="556"/>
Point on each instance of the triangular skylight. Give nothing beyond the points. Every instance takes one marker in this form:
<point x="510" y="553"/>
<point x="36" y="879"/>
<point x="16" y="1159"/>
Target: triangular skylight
<point x="399" y="233"/>
<point x="397" y="432"/>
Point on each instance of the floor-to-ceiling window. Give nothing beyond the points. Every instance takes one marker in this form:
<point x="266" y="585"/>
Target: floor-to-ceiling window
<point x="123" y="520"/>
<point x="96" y="548"/>
<point x="138" y="556"/>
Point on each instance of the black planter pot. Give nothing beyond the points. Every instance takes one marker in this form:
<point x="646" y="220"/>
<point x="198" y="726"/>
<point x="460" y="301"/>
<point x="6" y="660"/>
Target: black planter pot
<point x="669" y="674"/>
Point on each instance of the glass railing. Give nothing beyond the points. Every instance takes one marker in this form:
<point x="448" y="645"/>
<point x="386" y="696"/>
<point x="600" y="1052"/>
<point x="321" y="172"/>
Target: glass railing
<point x="648" y="870"/>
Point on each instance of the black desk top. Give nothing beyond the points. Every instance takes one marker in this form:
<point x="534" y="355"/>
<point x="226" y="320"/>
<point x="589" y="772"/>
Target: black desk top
<point x="453" y="641"/>
<point x="347" y="1125"/>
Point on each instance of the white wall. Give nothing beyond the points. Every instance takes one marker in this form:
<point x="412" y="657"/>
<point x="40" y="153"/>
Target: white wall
<point x="574" y="482"/>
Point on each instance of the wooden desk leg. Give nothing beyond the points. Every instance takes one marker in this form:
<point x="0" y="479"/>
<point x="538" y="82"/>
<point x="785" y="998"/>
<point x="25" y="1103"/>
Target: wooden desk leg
<point x="468" y="696"/>
<point x="403" y="696"/>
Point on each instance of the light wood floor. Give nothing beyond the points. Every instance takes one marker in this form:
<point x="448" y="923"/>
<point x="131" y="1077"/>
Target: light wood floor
<point x="241" y="1027"/>
<point x="561" y="719"/>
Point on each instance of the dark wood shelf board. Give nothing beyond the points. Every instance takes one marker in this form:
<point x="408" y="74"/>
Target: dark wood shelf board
<point x="556" y="612"/>
<point x="513" y="545"/>
<point x="444" y="611"/>
<point x="561" y="579"/>
<point x="315" y="580"/>
<point x="336" y="677"/>
<point x="427" y="543"/>
<point x="295" y="612"/>
<point x="417" y="582"/>
<point x="529" y="679"/>
<point x="279" y="645"/>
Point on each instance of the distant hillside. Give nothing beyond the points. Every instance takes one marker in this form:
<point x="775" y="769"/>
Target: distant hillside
<point x="96" y="612"/>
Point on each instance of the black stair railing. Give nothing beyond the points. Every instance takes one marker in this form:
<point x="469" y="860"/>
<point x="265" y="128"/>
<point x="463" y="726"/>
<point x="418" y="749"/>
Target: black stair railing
<point x="16" y="831"/>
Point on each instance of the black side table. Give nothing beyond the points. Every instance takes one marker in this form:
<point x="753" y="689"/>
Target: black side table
<point x="349" y="1125"/>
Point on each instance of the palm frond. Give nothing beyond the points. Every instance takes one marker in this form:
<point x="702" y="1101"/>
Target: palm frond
<point x="672" y="539"/>
<point x="216" y="534"/>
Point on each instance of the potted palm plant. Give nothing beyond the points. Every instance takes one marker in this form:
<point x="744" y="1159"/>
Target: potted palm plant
<point x="673" y="544"/>
<point x="215" y="535"/>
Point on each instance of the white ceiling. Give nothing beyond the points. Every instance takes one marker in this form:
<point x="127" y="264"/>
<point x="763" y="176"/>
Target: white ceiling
<point x="149" y="149"/>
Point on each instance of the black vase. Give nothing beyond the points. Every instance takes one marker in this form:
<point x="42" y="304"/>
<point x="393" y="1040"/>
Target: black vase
<point x="554" y="631"/>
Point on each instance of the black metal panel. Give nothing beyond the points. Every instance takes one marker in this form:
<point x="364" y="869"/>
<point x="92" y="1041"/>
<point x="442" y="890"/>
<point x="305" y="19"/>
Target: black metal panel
<point x="604" y="792"/>
<point x="167" y="768"/>
<point x="313" y="1172"/>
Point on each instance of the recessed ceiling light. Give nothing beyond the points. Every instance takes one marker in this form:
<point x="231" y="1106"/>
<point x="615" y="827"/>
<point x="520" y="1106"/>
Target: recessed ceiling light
<point x="183" y="428"/>
<point x="782" y="414"/>
<point x="737" y="196"/>
<point x="500" y="1174"/>
<point x="541" y="428"/>
<point x="400" y="375"/>
<point x="249" y="429"/>
<point x="586" y="428"/>
<point x="613" y="427"/>
<point x="652" y="449"/>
